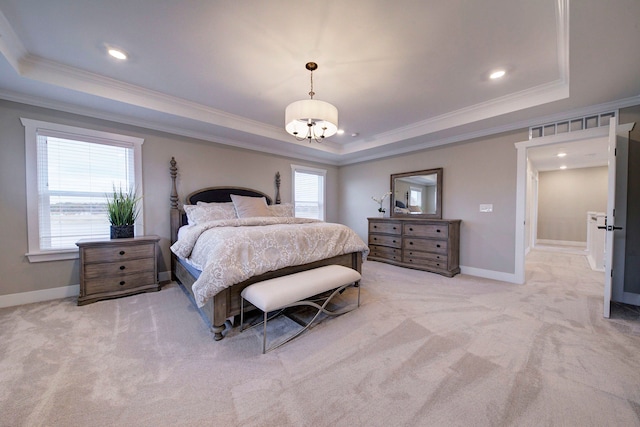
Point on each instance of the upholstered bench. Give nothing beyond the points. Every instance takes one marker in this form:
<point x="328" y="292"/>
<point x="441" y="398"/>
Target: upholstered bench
<point x="295" y="289"/>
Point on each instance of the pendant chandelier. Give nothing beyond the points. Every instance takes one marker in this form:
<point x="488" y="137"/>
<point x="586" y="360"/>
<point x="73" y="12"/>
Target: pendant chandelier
<point x="310" y="119"/>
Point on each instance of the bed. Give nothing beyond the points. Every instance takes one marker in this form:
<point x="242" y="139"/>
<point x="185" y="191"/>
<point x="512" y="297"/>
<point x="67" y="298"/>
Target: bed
<point x="220" y="309"/>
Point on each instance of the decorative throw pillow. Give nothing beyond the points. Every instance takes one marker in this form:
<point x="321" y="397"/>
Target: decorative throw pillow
<point x="203" y="212"/>
<point x="248" y="207"/>
<point x="283" y="210"/>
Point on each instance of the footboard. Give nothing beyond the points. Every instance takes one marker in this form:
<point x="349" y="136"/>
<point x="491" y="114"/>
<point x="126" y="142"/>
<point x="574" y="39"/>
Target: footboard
<point x="226" y="304"/>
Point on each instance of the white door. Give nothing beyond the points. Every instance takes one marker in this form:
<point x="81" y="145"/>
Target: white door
<point x="610" y="220"/>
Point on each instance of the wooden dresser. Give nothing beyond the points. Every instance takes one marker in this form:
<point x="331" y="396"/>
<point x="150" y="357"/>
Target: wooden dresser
<point x="118" y="267"/>
<point x="424" y="244"/>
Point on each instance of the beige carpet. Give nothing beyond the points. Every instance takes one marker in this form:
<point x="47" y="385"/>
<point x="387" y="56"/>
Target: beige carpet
<point x="422" y="350"/>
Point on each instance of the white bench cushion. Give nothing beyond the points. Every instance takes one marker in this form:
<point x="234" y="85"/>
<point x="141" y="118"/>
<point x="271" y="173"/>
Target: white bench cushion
<point x="279" y="292"/>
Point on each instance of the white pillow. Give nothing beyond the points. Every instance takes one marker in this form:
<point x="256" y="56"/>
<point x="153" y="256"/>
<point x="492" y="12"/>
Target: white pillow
<point x="248" y="207"/>
<point x="283" y="210"/>
<point x="203" y="212"/>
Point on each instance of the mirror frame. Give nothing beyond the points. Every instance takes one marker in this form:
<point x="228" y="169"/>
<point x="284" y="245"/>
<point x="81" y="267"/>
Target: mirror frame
<point x="437" y="214"/>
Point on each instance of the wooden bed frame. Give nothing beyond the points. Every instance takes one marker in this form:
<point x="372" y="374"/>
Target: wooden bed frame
<point x="226" y="304"/>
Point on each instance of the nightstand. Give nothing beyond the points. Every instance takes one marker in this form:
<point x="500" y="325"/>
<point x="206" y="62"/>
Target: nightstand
<point x="117" y="267"/>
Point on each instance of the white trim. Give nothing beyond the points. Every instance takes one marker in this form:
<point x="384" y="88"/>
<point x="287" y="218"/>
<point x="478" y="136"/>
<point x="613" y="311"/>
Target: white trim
<point x="31" y="128"/>
<point x="30" y="297"/>
<point x="489" y="274"/>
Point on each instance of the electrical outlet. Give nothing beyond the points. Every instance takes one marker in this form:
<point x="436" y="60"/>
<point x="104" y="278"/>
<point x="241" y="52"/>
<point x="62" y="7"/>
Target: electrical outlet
<point x="486" y="207"/>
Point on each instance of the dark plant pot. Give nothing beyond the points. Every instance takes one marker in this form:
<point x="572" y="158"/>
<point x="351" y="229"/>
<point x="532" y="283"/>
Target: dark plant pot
<point x="121" y="231"/>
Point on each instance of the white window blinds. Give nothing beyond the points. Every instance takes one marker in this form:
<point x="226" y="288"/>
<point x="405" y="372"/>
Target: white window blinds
<point x="309" y="192"/>
<point x="74" y="178"/>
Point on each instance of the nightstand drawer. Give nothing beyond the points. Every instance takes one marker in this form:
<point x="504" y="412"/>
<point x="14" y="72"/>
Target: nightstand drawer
<point x="393" y="241"/>
<point x="385" y="227"/>
<point x="116" y="284"/>
<point x="92" y="271"/>
<point x="118" y="253"/>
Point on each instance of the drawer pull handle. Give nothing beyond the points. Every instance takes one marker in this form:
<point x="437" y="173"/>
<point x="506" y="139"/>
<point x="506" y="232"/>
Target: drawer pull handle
<point x="122" y="267"/>
<point x="410" y="228"/>
<point x="394" y="241"/>
<point x="375" y="226"/>
<point x="411" y="243"/>
<point x="394" y="228"/>
<point x="437" y="246"/>
<point x="121" y="252"/>
<point x="122" y="283"/>
<point x="438" y="230"/>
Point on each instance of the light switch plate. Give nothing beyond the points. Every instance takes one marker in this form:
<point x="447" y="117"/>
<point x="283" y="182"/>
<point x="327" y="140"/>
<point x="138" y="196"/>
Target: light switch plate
<point x="486" y="207"/>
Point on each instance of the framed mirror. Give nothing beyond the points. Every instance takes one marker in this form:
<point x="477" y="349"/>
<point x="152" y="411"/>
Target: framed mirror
<point x="417" y="194"/>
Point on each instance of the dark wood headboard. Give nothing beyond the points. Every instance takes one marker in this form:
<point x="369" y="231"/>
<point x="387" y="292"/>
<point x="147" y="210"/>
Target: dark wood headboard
<point x="208" y="195"/>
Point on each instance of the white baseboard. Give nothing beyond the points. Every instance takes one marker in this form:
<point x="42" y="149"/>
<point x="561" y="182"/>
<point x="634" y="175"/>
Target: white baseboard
<point x="54" y="293"/>
<point x="38" y="296"/>
<point x="489" y="274"/>
<point x="561" y="243"/>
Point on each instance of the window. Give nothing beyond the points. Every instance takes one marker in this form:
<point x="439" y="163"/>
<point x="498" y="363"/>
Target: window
<point x="308" y="192"/>
<point x="69" y="173"/>
<point x="415" y="197"/>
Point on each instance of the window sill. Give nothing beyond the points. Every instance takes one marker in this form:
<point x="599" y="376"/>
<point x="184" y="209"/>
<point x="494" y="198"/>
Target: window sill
<point x="57" y="255"/>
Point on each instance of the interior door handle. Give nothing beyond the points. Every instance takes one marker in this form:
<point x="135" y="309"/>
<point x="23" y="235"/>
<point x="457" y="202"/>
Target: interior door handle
<point x="613" y="227"/>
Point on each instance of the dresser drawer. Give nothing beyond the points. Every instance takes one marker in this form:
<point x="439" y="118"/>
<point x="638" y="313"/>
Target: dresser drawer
<point x="385" y="227"/>
<point x="426" y="262"/>
<point x="378" y="239"/>
<point x="117" y="284"/>
<point x="117" y="253"/>
<point x="376" y="251"/>
<point x="428" y="245"/>
<point x="424" y="255"/>
<point x="92" y="271"/>
<point x="426" y="230"/>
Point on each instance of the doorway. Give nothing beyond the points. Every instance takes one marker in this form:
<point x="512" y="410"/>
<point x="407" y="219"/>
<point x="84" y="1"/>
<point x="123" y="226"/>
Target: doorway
<point x="525" y="218"/>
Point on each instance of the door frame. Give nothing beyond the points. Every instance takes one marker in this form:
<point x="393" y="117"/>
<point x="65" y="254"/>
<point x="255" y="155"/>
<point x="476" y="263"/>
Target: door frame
<point x="521" y="181"/>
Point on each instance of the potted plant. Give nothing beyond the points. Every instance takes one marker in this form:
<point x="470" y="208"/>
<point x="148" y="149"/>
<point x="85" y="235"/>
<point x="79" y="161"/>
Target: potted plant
<point x="122" y="209"/>
<point x="379" y="201"/>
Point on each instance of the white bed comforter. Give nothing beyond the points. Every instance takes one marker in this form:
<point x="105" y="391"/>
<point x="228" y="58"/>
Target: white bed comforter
<point x="231" y="251"/>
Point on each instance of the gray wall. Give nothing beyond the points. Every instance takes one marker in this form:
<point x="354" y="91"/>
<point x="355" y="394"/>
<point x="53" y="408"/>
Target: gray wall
<point x="475" y="172"/>
<point x="565" y="197"/>
<point x="200" y="164"/>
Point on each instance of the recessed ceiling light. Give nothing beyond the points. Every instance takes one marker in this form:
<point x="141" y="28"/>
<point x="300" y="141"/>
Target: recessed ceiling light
<point x="117" y="53"/>
<point x="497" y="74"/>
<point x="563" y="167"/>
<point x="562" y="154"/>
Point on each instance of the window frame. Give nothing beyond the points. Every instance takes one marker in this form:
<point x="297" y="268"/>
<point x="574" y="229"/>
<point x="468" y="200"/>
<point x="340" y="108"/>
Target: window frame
<point x="31" y="129"/>
<point x="311" y="171"/>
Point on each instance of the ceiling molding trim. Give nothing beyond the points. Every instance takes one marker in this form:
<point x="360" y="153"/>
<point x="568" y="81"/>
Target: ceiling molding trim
<point x="172" y="130"/>
<point x="527" y="98"/>
<point x="523" y="125"/>
<point x="10" y="45"/>
<point x="78" y="80"/>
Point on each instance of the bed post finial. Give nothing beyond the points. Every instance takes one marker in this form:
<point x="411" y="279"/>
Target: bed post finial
<point x="278" y="188"/>
<point x="173" y="170"/>
<point x="174" y="212"/>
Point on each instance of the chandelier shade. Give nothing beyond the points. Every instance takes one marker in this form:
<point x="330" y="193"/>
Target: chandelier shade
<point x="311" y="119"/>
